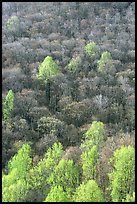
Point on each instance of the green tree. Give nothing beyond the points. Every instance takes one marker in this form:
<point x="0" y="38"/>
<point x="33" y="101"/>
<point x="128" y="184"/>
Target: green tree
<point x="14" y="185"/>
<point x="91" y="50"/>
<point x="47" y="69"/>
<point x="122" y="177"/>
<point x="8" y="105"/>
<point x="74" y="64"/>
<point x="12" y="22"/>
<point x="16" y="192"/>
<point x="94" y="135"/>
<point x="105" y="63"/>
<point x="88" y="192"/>
<point x="89" y="160"/>
<point x="66" y="174"/>
<point x="39" y="174"/>
<point x="129" y="198"/>
<point x="57" y="194"/>
<point x="22" y="161"/>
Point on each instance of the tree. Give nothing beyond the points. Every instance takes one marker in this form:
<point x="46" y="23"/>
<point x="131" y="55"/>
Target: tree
<point x="8" y="105"/>
<point x="47" y="69"/>
<point x="74" y="64"/>
<point x="14" y="185"/>
<point x="12" y="22"/>
<point x="105" y="63"/>
<point x="89" y="160"/>
<point x="94" y="135"/>
<point x="88" y="192"/>
<point x="129" y="198"/>
<point x="16" y="192"/>
<point x="122" y="177"/>
<point x="91" y="50"/>
<point x="39" y="174"/>
<point x="57" y="194"/>
<point x="65" y="174"/>
<point x="22" y="161"/>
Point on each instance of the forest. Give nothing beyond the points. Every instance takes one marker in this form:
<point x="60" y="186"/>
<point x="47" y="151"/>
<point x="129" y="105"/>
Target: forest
<point x="68" y="101"/>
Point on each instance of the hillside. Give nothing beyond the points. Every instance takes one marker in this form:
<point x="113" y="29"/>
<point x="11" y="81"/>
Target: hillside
<point x="69" y="65"/>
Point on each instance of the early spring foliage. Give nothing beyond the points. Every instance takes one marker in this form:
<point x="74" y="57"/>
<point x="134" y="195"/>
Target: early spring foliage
<point x="57" y="194"/>
<point x="65" y="174"/>
<point x="91" y="49"/>
<point x="47" y="69"/>
<point x="122" y="177"/>
<point x="14" y="185"/>
<point x="12" y="22"/>
<point x="94" y="135"/>
<point x="88" y="192"/>
<point x="8" y="105"/>
<point x="105" y="63"/>
<point x="89" y="161"/>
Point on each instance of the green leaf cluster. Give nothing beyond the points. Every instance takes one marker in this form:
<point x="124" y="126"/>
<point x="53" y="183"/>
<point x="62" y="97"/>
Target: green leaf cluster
<point x="39" y="174"/>
<point x="74" y="64"/>
<point x="47" y="69"/>
<point x="12" y="22"/>
<point x="65" y="174"/>
<point x="8" y="105"/>
<point x="105" y="63"/>
<point x="88" y="192"/>
<point x="91" y="49"/>
<point x="89" y="160"/>
<point x="94" y="135"/>
<point x="122" y="177"/>
<point x="14" y="185"/>
<point x="57" y="194"/>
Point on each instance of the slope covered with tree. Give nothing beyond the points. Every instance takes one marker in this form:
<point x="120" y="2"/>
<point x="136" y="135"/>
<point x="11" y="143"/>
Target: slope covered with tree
<point x="68" y="91"/>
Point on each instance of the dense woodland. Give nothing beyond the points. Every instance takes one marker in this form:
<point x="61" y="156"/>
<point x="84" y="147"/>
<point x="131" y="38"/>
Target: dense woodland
<point x="68" y="101"/>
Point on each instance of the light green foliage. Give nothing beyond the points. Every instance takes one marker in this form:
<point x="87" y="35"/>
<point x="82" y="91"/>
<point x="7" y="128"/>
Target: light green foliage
<point x="57" y="194"/>
<point x="66" y="174"/>
<point x="37" y="176"/>
<point x="129" y="198"/>
<point x="8" y="105"/>
<point x="89" y="160"/>
<point x="15" y="192"/>
<point x="21" y="161"/>
<point x="47" y="69"/>
<point x="91" y="49"/>
<point x="94" y="135"/>
<point x="88" y="192"/>
<point x="105" y="63"/>
<point x="14" y="185"/>
<point x="122" y="178"/>
<point x="12" y="22"/>
<point x="74" y="64"/>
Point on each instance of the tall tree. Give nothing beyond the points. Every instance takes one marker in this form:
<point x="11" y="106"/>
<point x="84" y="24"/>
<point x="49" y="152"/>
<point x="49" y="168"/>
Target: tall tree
<point x="88" y="192"/>
<point x="89" y="160"/>
<point x="47" y="69"/>
<point x="8" y="105"/>
<point x="122" y="178"/>
<point x="57" y="194"/>
<point x="65" y="174"/>
<point x="14" y="185"/>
